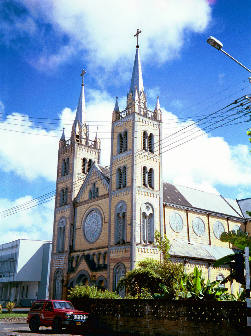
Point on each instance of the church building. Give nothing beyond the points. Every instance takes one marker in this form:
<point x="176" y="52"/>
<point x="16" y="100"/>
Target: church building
<point x="105" y="218"/>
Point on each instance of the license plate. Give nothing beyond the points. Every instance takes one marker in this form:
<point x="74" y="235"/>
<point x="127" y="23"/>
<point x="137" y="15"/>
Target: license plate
<point x="78" y="323"/>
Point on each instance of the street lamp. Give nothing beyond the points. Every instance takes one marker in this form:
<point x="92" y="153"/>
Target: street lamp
<point x="218" y="45"/>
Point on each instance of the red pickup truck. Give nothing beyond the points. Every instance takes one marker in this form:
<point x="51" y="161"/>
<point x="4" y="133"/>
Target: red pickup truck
<point x="57" y="314"/>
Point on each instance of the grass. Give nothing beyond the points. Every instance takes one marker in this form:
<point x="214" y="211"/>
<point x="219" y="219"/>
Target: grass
<point x="12" y="315"/>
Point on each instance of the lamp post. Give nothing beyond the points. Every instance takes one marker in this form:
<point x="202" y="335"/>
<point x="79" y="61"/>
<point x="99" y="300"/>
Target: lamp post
<point x="218" y="45"/>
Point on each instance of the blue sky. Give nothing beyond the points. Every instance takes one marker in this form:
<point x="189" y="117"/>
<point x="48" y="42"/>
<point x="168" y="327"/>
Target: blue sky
<point x="45" y="44"/>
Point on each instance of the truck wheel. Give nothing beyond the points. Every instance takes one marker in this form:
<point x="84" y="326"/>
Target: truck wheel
<point x="34" y="324"/>
<point x="57" y="325"/>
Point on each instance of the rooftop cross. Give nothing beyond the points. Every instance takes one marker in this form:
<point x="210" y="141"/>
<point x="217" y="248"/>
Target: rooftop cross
<point x="137" y="35"/>
<point x="82" y="75"/>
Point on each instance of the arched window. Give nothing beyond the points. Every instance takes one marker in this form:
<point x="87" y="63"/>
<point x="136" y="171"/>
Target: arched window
<point x="147" y="225"/>
<point x="145" y="138"/>
<point x="63" y="197"/>
<point x="125" y="141"/>
<point x="124" y="176"/>
<point x="82" y="278"/>
<point x="84" y="165"/>
<point x="151" y="143"/>
<point x="89" y="165"/>
<point x="61" y="235"/>
<point x="120" y="143"/>
<point x="118" y="178"/>
<point x="145" y="176"/>
<point x="151" y="178"/>
<point x="120" y="223"/>
<point x="58" y="284"/>
<point x="119" y="271"/>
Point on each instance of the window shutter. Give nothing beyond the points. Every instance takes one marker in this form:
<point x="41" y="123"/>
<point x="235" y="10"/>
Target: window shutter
<point x="84" y="161"/>
<point x="67" y="166"/>
<point x="150" y="143"/>
<point x="144" y="176"/>
<point x="145" y="140"/>
<point x="125" y="141"/>
<point x="89" y="165"/>
<point x="124" y="176"/>
<point x="66" y="196"/>
<point x="151" y="178"/>
<point x="63" y="168"/>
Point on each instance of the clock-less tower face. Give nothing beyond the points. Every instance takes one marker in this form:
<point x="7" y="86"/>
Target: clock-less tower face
<point x="92" y="225"/>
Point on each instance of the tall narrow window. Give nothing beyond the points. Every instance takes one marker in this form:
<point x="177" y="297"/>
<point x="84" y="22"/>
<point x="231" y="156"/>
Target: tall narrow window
<point x="124" y="177"/>
<point x="151" y="178"/>
<point x="145" y="176"/>
<point x="118" y="272"/>
<point x="147" y="224"/>
<point x="119" y="178"/>
<point x="63" y="196"/>
<point x="120" y="144"/>
<point x="145" y="138"/>
<point x="151" y="143"/>
<point x="84" y="165"/>
<point x="89" y="165"/>
<point x="125" y="141"/>
<point x="120" y="223"/>
<point x="61" y="235"/>
<point x="65" y="167"/>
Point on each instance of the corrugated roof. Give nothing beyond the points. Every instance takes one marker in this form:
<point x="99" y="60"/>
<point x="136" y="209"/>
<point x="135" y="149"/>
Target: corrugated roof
<point x="245" y="205"/>
<point x="183" y="249"/>
<point x="185" y="196"/>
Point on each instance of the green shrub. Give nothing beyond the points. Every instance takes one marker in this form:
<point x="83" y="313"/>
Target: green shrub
<point x="10" y="306"/>
<point x="91" y="292"/>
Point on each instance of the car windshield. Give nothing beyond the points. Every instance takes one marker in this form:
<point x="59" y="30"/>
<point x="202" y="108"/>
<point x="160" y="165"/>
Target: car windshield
<point x="62" y="305"/>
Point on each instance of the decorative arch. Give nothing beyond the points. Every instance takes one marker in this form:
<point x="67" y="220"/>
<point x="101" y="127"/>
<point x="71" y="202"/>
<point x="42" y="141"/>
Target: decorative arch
<point x="120" y="223"/>
<point x="119" y="272"/>
<point x="58" y="284"/>
<point x="147" y="223"/>
<point x="82" y="278"/>
<point x="61" y="235"/>
<point x="101" y="282"/>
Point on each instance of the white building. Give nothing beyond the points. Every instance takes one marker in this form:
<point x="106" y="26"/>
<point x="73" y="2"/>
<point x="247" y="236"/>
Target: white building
<point x="24" y="271"/>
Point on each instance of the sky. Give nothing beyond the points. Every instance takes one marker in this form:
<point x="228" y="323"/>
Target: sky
<point x="44" y="45"/>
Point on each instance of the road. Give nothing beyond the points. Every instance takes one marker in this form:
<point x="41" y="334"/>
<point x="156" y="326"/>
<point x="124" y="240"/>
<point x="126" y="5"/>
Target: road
<point x="22" y="329"/>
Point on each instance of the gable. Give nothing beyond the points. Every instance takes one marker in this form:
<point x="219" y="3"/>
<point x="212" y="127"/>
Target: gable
<point x="95" y="179"/>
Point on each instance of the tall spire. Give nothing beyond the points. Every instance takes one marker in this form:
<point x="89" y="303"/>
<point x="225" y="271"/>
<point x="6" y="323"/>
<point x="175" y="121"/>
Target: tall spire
<point x="63" y="136"/>
<point x="137" y="79"/>
<point x="116" y="107"/>
<point x="80" y="114"/>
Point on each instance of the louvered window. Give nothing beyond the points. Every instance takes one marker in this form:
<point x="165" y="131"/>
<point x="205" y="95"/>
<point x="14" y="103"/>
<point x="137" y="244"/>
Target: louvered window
<point x="120" y="144"/>
<point x="151" y="143"/>
<point x="145" y="137"/>
<point x="61" y="235"/>
<point x="89" y="165"/>
<point x="125" y="141"/>
<point x="63" y="197"/>
<point x="144" y="176"/>
<point x="124" y="177"/>
<point x="84" y="165"/>
<point x="151" y="178"/>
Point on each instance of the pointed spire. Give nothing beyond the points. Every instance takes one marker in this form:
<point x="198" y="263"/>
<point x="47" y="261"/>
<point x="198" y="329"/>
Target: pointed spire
<point x="137" y="79"/>
<point x="116" y="107"/>
<point x="157" y="107"/>
<point x="62" y="136"/>
<point x="81" y="111"/>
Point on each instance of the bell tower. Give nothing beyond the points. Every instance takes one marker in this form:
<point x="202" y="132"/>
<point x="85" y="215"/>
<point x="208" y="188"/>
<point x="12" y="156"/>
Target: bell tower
<point x="136" y="196"/>
<point x="75" y="158"/>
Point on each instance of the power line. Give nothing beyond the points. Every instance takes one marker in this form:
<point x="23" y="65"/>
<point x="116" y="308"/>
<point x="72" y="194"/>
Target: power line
<point x="46" y="197"/>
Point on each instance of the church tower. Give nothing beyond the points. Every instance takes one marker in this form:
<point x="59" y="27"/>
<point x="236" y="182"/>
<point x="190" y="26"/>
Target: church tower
<point x="75" y="159"/>
<point x="136" y="196"/>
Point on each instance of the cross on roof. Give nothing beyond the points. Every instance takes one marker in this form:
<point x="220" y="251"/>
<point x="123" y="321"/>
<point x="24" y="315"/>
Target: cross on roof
<point x="137" y="35"/>
<point x="82" y="75"/>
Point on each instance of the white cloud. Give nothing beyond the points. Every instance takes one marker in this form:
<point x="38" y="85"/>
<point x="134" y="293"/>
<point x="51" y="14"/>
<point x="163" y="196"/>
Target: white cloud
<point x="27" y="151"/>
<point x="35" y="223"/>
<point x="105" y="28"/>
<point x="204" y="162"/>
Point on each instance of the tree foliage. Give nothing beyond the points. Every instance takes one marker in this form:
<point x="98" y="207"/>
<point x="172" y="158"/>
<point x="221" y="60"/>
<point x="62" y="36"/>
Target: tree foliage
<point x="149" y="275"/>
<point x="238" y="239"/>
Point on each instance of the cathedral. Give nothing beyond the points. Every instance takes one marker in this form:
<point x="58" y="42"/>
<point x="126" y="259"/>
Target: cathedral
<point x="105" y="217"/>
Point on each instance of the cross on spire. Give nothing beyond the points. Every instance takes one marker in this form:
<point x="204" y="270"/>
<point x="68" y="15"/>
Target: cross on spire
<point x="137" y="35"/>
<point x="82" y="75"/>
